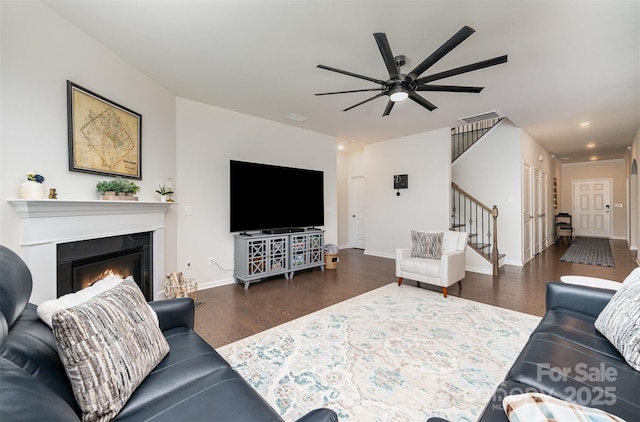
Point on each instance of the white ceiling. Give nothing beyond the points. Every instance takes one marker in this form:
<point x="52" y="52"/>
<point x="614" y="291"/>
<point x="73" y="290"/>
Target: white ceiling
<point x="569" y="62"/>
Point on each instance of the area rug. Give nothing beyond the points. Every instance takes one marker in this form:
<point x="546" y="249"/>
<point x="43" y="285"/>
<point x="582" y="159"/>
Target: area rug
<point x="589" y="250"/>
<point x="398" y="353"/>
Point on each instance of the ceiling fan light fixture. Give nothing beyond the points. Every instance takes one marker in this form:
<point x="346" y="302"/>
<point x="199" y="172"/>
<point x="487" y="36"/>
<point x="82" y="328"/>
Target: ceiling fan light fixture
<point x="398" y="94"/>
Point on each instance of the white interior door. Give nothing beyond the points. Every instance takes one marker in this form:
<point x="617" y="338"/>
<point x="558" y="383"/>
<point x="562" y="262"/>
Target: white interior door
<point x="592" y="208"/>
<point x="543" y="209"/>
<point x="356" y="212"/>
<point x="535" y="207"/>
<point x="527" y="225"/>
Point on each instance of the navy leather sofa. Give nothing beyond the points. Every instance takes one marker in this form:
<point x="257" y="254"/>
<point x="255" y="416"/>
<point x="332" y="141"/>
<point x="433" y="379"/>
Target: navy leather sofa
<point x="566" y="357"/>
<point x="192" y="383"/>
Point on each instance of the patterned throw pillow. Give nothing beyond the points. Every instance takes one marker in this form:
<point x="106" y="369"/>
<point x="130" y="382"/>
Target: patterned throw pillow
<point x="48" y="307"/>
<point x="108" y="345"/>
<point x="537" y="407"/>
<point x="619" y="321"/>
<point x="426" y="245"/>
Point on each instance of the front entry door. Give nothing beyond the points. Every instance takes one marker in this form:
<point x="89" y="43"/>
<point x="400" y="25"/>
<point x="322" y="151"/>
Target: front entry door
<point x="592" y="208"/>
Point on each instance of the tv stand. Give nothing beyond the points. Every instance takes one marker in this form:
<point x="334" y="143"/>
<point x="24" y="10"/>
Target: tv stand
<point x="263" y="255"/>
<point x="284" y="230"/>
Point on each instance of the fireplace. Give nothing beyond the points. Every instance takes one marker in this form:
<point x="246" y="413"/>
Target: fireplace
<point x="81" y="263"/>
<point x="45" y="224"/>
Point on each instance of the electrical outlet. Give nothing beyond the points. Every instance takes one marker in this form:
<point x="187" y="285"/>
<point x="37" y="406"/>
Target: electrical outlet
<point x="188" y="263"/>
<point x="211" y="261"/>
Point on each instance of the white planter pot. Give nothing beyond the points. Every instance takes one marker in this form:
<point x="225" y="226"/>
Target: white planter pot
<point x="32" y="190"/>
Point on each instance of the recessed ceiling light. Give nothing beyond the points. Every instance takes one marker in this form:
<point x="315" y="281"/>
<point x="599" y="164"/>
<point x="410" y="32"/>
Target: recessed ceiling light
<point x="565" y="158"/>
<point x="296" y="117"/>
<point x="593" y="158"/>
<point x="340" y="147"/>
<point x="585" y="124"/>
<point x="591" y="145"/>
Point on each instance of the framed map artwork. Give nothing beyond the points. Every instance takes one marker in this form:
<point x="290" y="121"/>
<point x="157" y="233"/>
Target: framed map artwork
<point x="104" y="137"/>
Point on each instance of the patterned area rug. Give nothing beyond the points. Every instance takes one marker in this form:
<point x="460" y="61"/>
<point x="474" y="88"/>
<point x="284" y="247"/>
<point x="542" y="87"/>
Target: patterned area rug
<point x="392" y="354"/>
<point x="589" y="250"/>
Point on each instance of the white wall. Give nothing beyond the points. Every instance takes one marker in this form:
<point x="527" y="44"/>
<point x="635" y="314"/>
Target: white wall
<point x="490" y="171"/>
<point x="207" y="138"/>
<point x="40" y="51"/>
<point x="425" y="204"/>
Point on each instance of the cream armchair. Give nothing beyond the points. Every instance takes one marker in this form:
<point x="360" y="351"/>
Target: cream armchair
<point x="443" y="272"/>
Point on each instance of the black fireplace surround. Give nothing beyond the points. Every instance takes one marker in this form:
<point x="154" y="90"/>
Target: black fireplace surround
<point x="81" y="263"/>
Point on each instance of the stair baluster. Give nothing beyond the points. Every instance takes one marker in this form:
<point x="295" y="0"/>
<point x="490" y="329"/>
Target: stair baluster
<point x="463" y="137"/>
<point x="479" y="220"/>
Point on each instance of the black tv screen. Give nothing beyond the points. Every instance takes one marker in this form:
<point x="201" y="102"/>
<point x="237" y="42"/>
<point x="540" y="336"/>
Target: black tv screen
<point x="268" y="197"/>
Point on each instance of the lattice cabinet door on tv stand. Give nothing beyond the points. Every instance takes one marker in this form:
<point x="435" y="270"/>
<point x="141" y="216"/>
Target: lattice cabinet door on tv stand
<point x="258" y="256"/>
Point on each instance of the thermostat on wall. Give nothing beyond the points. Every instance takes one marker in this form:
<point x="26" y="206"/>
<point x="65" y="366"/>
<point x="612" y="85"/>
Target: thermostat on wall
<point x="401" y="181"/>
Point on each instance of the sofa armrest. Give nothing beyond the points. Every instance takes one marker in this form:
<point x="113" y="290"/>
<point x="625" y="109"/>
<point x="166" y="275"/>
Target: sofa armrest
<point x="173" y="313"/>
<point x="573" y="297"/>
<point x="452" y="266"/>
<point x="319" y="415"/>
<point x="401" y="254"/>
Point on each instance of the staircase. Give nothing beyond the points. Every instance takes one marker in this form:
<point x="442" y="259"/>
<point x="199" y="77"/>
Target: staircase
<point x="468" y="214"/>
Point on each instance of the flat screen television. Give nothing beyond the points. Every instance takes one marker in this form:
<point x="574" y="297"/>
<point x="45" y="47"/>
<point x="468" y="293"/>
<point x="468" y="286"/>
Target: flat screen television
<point x="274" y="198"/>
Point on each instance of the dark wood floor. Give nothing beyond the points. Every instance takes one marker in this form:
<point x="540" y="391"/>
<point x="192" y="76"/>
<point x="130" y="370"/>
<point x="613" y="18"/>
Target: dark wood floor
<point x="231" y="313"/>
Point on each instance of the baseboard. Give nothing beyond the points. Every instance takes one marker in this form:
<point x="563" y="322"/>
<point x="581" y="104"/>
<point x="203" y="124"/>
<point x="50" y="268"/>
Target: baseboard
<point x="379" y="254"/>
<point x="479" y="270"/>
<point x="216" y="283"/>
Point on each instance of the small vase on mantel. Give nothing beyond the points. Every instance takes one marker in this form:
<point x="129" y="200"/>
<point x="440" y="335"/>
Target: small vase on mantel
<point x="32" y="190"/>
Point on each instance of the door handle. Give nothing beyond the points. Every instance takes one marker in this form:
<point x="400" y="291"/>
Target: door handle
<point x="354" y="216"/>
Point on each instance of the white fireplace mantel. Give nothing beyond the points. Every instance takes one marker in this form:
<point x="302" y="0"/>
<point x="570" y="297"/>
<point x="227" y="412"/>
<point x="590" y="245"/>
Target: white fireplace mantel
<point x="48" y="222"/>
<point x="37" y="208"/>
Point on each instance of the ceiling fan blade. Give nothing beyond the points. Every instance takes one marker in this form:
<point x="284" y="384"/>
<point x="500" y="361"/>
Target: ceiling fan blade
<point x="355" y="75"/>
<point x="452" y="43"/>
<point x="387" y="55"/>
<point x="365" y="101"/>
<point x="424" y="103"/>
<point x="388" y="108"/>
<point x="463" y="69"/>
<point x="347" y="92"/>
<point x="450" y="88"/>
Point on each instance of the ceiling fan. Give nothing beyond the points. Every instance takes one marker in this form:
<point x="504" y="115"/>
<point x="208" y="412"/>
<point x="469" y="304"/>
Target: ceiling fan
<point x="401" y="86"/>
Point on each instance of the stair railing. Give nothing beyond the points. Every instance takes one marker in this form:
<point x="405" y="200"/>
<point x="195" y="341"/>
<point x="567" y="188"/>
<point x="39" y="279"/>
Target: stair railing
<point x="477" y="219"/>
<point x="463" y="137"/>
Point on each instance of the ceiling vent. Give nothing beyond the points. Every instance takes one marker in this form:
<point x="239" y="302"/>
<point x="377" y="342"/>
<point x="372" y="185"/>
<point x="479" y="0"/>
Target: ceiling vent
<point x="495" y="114"/>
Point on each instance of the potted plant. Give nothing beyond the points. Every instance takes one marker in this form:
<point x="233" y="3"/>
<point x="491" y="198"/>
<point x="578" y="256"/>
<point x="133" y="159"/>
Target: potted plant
<point x="106" y="187"/>
<point x="121" y="186"/>
<point x="33" y="187"/>
<point x="117" y="187"/>
<point x="133" y="188"/>
<point x="165" y="193"/>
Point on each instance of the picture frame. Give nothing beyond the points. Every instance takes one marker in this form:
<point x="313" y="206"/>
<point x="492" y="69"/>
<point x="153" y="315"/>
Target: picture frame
<point x="104" y="137"/>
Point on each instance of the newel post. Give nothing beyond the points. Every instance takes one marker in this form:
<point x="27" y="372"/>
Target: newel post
<point x="494" y="251"/>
